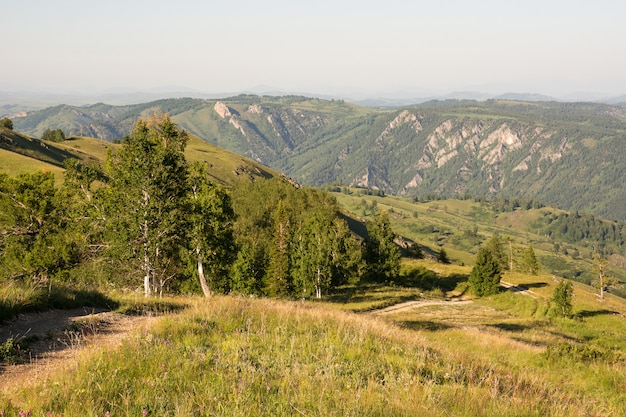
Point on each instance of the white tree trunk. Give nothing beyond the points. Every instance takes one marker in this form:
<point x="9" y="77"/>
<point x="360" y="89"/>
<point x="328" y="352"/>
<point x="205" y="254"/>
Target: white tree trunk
<point x="205" y="287"/>
<point x="318" y="287"/>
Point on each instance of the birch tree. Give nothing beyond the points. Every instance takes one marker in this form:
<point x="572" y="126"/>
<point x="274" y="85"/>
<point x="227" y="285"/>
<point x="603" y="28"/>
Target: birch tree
<point x="211" y="231"/>
<point x="148" y="178"/>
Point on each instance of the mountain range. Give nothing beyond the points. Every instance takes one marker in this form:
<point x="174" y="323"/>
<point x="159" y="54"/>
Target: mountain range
<point x="564" y="154"/>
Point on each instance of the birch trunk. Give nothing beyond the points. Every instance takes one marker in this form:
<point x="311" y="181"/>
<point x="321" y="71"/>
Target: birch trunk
<point x="205" y="287"/>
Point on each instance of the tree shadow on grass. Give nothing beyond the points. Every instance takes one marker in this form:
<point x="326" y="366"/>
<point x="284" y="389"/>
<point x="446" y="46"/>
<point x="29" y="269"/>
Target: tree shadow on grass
<point x="589" y="313"/>
<point x="533" y="285"/>
<point x="428" y="280"/>
<point x="60" y="298"/>
<point x="431" y="326"/>
<point x="509" y="327"/>
<point x="374" y="296"/>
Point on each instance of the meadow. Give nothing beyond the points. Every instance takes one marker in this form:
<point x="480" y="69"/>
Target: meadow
<point x="449" y="354"/>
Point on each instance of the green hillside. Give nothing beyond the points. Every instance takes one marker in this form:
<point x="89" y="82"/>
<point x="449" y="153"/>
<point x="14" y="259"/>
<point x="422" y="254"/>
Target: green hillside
<point x="22" y="154"/>
<point x="560" y="153"/>
<point x="462" y="226"/>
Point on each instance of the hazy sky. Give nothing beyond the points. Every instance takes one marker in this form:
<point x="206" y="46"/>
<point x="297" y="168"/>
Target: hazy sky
<point x="382" y="47"/>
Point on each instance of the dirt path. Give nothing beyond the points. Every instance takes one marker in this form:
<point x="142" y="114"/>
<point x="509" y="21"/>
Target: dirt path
<point x="399" y="308"/>
<point x="519" y="290"/>
<point x="56" y="339"/>
<point x="410" y="305"/>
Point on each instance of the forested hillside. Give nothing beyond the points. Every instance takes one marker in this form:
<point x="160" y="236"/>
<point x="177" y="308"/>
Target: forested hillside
<point x="149" y="216"/>
<point x="563" y="154"/>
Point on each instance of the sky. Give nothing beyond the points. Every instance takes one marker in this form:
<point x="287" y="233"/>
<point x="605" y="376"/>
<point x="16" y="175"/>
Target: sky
<point x="382" y="48"/>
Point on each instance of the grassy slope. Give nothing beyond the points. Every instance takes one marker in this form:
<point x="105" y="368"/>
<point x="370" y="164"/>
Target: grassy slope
<point x="236" y="356"/>
<point x="26" y="155"/>
<point x="12" y="163"/>
<point x="451" y="223"/>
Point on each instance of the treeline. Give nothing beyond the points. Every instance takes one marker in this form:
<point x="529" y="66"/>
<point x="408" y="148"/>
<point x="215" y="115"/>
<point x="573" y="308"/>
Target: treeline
<point x="147" y="218"/>
<point x="606" y="236"/>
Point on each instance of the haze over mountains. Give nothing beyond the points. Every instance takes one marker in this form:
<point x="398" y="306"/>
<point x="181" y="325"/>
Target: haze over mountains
<point x="12" y="102"/>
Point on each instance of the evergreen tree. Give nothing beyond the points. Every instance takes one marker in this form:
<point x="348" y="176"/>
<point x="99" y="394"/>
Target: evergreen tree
<point x="529" y="261"/>
<point x="442" y="256"/>
<point x="278" y="269"/>
<point x="485" y="276"/>
<point x="382" y="254"/>
<point x="248" y="270"/>
<point x="149" y="188"/>
<point x="562" y="298"/>
<point x="495" y="245"/>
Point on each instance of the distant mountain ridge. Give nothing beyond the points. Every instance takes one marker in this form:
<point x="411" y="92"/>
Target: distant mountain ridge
<point x="565" y="154"/>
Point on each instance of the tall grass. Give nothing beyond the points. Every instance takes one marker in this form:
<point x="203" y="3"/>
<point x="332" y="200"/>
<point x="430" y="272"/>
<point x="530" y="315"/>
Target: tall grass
<point x="19" y="297"/>
<point x="244" y="357"/>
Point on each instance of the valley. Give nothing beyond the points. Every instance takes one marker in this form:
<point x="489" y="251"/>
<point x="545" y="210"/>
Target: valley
<point x="559" y="153"/>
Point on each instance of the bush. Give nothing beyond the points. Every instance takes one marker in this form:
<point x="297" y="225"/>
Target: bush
<point x="6" y="123"/>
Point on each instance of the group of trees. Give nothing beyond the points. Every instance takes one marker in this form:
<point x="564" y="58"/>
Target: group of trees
<point x="148" y="217"/>
<point x="53" y="135"/>
<point x="606" y="236"/>
<point x="295" y="242"/>
<point x="492" y="260"/>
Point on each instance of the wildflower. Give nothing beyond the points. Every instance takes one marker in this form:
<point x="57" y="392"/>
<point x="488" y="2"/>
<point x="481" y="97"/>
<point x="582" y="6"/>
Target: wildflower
<point x="144" y="412"/>
<point x="107" y="414"/>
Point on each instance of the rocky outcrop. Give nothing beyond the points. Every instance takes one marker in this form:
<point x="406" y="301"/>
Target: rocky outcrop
<point x="222" y="110"/>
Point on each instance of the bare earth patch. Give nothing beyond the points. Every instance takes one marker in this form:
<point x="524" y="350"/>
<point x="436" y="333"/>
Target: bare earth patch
<point x="57" y="338"/>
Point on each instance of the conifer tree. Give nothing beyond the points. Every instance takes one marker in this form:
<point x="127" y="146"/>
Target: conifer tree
<point x="529" y="261"/>
<point x="382" y="254"/>
<point x="278" y="269"/>
<point x="442" y="256"/>
<point x="495" y="245"/>
<point x="485" y="276"/>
